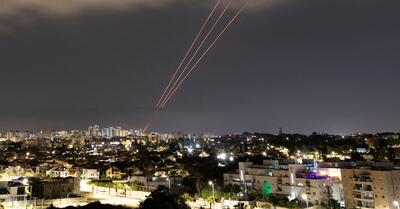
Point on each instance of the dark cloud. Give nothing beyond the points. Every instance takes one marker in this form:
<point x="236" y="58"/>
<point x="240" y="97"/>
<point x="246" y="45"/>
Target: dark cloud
<point x="307" y="65"/>
<point x="17" y="13"/>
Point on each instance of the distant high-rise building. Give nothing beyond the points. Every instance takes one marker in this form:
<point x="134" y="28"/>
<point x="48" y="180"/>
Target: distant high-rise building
<point x="105" y="132"/>
<point x="94" y="130"/>
<point x="138" y="132"/>
<point x="118" y="131"/>
<point x="108" y="132"/>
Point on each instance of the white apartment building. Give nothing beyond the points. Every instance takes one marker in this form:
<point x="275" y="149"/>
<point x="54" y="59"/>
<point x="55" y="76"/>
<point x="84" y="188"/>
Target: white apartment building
<point x="291" y="179"/>
<point x="376" y="186"/>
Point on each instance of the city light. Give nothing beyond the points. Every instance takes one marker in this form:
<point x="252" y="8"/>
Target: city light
<point x="222" y="156"/>
<point x="25" y="181"/>
<point x="304" y="197"/>
<point x="296" y="109"/>
<point x="396" y="203"/>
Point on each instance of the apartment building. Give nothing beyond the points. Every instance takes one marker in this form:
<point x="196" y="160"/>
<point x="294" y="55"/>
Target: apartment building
<point x="290" y="178"/>
<point x="371" y="187"/>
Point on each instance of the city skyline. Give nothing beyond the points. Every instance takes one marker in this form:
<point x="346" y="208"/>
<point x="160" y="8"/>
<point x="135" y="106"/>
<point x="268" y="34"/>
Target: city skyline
<point x="305" y="66"/>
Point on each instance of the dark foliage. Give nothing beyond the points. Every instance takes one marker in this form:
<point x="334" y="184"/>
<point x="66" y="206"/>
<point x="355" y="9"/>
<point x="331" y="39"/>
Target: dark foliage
<point x="95" y="205"/>
<point x="162" y="198"/>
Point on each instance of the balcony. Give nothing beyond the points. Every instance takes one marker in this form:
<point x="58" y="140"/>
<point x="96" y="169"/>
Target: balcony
<point x="367" y="207"/>
<point x="364" y="199"/>
<point x="362" y="188"/>
<point x="363" y="204"/>
<point x="363" y="180"/>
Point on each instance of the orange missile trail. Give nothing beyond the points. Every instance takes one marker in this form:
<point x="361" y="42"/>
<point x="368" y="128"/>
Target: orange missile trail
<point x="204" y="54"/>
<point x="198" y="49"/>
<point x="147" y="126"/>
<point x="188" y="51"/>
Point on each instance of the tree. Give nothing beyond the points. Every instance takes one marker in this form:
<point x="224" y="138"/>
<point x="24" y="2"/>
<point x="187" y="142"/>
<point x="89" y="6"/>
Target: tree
<point x="133" y="186"/>
<point x="162" y="198"/>
<point x="120" y="186"/>
<point x="333" y="204"/>
<point x="187" y="197"/>
<point x="94" y="205"/>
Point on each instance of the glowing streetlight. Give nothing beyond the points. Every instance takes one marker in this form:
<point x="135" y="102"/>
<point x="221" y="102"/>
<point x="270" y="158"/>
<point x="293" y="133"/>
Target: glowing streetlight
<point x="304" y="197"/>
<point x="169" y="183"/>
<point x="396" y="203"/>
<point x="25" y="181"/>
<point x="212" y="186"/>
<point x="221" y="156"/>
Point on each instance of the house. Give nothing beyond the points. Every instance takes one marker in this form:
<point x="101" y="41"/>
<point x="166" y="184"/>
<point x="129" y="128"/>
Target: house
<point x="57" y="172"/>
<point x="90" y="174"/>
<point x="73" y="172"/>
<point x="13" y="190"/>
<point x="113" y="173"/>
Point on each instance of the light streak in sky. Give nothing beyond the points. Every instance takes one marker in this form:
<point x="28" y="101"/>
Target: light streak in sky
<point x="179" y="76"/>
<point x="147" y="126"/>
<point x="198" y="49"/>
<point x="188" y="51"/>
<point x="203" y="55"/>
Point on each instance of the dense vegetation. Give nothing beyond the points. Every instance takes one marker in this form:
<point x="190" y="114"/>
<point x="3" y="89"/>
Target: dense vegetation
<point x="162" y="198"/>
<point x="94" y="205"/>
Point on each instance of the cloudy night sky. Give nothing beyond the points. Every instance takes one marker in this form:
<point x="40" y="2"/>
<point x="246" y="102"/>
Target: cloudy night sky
<point x="329" y="66"/>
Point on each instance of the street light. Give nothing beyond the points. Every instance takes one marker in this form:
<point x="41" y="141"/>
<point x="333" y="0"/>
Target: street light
<point x="25" y="181"/>
<point x="304" y="197"/>
<point x="169" y="183"/>
<point x="396" y="203"/>
<point x="212" y="186"/>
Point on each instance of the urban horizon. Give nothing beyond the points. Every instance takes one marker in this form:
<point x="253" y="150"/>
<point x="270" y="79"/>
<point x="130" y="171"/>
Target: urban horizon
<point x="277" y="131"/>
<point x="199" y="104"/>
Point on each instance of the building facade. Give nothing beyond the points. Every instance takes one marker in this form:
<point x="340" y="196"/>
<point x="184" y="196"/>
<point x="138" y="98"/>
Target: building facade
<point x="56" y="188"/>
<point x="90" y="174"/>
<point x="290" y="179"/>
<point x="371" y="187"/>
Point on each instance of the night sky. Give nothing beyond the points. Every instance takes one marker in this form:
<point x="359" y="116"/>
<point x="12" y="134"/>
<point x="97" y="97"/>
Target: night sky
<point x="329" y="66"/>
